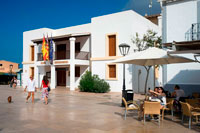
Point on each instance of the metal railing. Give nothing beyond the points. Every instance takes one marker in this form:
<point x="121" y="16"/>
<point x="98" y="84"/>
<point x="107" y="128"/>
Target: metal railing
<point x="60" y="55"/>
<point x="82" y="55"/>
<point x="193" y="33"/>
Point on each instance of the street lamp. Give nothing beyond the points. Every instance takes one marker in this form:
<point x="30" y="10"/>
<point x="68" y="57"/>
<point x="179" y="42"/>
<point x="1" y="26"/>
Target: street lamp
<point x="124" y="49"/>
<point x="11" y="67"/>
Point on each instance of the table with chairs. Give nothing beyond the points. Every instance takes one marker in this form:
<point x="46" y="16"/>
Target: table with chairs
<point x="190" y="107"/>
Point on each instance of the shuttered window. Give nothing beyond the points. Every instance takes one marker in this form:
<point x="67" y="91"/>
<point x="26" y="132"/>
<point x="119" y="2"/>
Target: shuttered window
<point x="32" y="53"/>
<point x="112" y="71"/>
<point x="32" y="71"/>
<point x="112" y="45"/>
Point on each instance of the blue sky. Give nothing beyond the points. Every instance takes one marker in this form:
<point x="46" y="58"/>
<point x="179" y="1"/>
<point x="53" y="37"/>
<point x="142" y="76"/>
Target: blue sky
<point x="17" y="16"/>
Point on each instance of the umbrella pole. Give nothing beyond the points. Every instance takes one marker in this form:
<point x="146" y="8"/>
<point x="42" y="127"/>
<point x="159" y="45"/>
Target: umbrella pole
<point x="145" y="87"/>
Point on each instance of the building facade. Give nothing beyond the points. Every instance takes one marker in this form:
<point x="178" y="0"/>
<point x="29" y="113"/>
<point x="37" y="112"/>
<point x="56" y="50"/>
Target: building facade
<point x="8" y="67"/>
<point x="85" y="47"/>
<point x="181" y="27"/>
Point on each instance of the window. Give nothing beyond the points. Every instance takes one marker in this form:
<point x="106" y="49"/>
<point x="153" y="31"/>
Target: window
<point x="48" y="74"/>
<point x="112" y="71"/>
<point x="112" y="45"/>
<point x="77" y="71"/>
<point x="77" y="47"/>
<point x="32" y="71"/>
<point x="1" y="65"/>
<point x="32" y="53"/>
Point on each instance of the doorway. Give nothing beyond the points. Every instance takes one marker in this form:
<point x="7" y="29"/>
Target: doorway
<point x="61" y="76"/>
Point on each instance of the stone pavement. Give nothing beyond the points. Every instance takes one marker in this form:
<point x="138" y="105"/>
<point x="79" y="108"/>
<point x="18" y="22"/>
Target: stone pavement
<point x="76" y="112"/>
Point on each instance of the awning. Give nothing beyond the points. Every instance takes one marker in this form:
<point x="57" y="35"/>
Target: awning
<point x="56" y="38"/>
<point x="8" y="74"/>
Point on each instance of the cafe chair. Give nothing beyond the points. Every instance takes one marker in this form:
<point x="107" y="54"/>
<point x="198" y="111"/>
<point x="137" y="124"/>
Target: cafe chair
<point x="193" y="102"/>
<point x="195" y="95"/>
<point x="152" y="108"/>
<point x="187" y="111"/>
<point x="169" y="107"/>
<point x="128" y="108"/>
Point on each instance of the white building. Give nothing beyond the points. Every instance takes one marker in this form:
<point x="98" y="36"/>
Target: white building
<point x="86" y="47"/>
<point x="181" y="23"/>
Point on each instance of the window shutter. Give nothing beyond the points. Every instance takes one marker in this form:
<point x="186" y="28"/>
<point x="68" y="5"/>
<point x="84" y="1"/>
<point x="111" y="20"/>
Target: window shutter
<point x="112" y="45"/>
<point x="32" y="53"/>
<point x="112" y="71"/>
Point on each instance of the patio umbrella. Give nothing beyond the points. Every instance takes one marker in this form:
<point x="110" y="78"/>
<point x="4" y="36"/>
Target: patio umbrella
<point x="151" y="57"/>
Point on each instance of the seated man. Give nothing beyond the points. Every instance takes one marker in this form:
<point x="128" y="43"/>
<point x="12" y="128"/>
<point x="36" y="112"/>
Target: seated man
<point x="177" y="93"/>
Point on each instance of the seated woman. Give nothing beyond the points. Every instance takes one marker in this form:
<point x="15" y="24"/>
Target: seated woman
<point x="156" y="95"/>
<point x="153" y="95"/>
<point x="160" y="96"/>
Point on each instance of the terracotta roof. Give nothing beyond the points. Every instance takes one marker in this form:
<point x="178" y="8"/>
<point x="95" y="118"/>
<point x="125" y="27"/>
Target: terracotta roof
<point x="152" y="16"/>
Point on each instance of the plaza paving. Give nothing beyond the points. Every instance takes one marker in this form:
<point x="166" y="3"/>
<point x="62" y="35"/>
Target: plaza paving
<point x="76" y="112"/>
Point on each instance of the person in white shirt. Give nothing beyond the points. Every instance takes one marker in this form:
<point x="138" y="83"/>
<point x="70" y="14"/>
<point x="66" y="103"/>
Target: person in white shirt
<point x="31" y="88"/>
<point x="178" y="92"/>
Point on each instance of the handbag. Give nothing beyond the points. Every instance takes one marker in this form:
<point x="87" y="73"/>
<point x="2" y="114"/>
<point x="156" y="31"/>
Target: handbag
<point x="49" y="89"/>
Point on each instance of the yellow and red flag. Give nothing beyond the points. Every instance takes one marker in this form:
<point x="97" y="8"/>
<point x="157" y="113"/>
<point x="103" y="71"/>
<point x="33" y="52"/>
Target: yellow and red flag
<point x="45" y="49"/>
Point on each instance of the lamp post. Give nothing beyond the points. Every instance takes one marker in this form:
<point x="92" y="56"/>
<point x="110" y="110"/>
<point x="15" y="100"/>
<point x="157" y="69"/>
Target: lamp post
<point x="11" y="67"/>
<point x="124" y="49"/>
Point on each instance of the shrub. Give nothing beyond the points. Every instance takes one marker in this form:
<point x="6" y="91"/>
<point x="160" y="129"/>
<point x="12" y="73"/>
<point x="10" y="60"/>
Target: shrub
<point x="89" y="83"/>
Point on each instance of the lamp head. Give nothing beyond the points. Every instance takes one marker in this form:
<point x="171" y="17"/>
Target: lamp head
<point x="124" y="48"/>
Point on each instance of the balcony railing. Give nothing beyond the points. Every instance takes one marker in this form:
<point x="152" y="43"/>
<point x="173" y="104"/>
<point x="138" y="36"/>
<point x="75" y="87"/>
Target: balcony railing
<point x="61" y="55"/>
<point x="193" y="33"/>
<point x="82" y="55"/>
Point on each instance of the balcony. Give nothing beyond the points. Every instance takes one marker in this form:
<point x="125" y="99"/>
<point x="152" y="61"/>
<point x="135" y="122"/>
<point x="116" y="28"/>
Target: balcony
<point x="193" y="33"/>
<point x="62" y="55"/>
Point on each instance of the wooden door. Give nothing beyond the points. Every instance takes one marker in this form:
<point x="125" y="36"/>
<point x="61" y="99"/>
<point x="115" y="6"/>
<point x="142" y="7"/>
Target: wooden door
<point x="61" y="77"/>
<point x="61" y="51"/>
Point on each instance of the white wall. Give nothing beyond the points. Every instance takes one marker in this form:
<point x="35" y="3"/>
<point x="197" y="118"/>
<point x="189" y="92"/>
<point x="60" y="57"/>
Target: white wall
<point x="99" y="68"/>
<point x="74" y="29"/>
<point x="179" y="18"/>
<point x="125" y="24"/>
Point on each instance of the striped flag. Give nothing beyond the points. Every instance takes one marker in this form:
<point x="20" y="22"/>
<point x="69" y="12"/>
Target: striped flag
<point x="47" y="48"/>
<point x="44" y="48"/>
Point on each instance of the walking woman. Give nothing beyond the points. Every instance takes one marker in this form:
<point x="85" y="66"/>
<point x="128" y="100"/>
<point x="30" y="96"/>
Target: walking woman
<point x="44" y="87"/>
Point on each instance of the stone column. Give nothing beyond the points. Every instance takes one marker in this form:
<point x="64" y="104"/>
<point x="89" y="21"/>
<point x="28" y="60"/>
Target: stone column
<point x="72" y="65"/>
<point x="36" y="77"/>
<point x="53" y="77"/>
